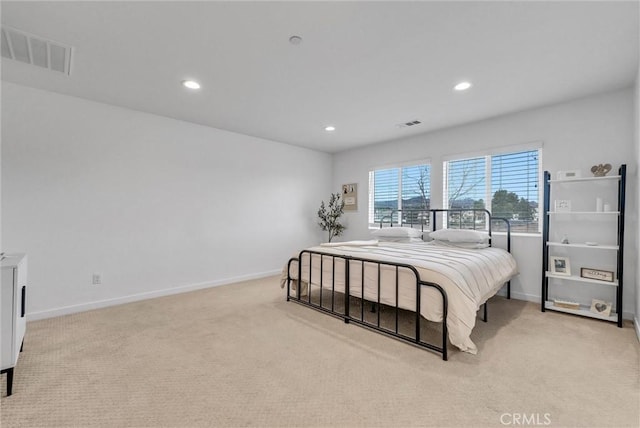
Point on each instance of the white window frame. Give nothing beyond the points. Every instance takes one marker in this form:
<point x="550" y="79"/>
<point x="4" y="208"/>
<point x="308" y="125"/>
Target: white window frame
<point x="487" y="154"/>
<point x="370" y="214"/>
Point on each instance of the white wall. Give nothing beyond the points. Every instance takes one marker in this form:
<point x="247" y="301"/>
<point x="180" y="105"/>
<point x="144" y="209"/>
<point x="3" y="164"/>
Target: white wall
<point x="575" y="135"/>
<point x="153" y="204"/>
<point x="637" y="204"/>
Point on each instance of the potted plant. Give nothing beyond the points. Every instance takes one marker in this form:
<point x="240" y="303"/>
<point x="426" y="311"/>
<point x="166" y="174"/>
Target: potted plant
<point x="330" y="216"/>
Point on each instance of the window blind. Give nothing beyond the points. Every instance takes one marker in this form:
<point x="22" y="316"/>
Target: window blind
<point x="514" y="189"/>
<point x="466" y="183"/>
<point x="386" y="185"/>
<point x="399" y="188"/>
<point x="506" y="184"/>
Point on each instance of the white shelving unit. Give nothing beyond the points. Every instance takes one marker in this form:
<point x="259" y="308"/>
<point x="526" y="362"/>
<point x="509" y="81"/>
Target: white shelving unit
<point x="14" y="321"/>
<point x="581" y="279"/>
<point x="603" y="213"/>
<point x="583" y="311"/>
<point x="585" y="245"/>
<point x="575" y="179"/>
<point x="551" y="217"/>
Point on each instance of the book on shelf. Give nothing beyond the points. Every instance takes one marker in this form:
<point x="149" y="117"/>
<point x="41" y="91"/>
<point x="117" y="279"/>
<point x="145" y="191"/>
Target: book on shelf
<point x="566" y="304"/>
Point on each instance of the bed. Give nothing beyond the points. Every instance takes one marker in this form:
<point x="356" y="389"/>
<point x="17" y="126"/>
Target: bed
<point x="444" y="277"/>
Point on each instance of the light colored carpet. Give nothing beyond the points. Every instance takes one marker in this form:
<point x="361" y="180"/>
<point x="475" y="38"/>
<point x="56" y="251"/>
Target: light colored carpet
<point x="240" y="355"/>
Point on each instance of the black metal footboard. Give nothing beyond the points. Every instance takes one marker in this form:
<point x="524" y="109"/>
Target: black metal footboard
<point x="338" y="296"/>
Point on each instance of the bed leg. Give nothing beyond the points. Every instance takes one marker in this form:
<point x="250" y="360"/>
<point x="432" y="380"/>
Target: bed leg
<point x="9" y="373"/>
<point x="485" y="319"/>
<point x="445" y="355"/>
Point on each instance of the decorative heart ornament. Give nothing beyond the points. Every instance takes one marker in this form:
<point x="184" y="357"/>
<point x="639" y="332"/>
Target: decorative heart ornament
<point x="601" y="170"/>
<point x="601" y="307"/>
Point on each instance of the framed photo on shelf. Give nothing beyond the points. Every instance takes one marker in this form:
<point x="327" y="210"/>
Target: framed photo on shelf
<point x="565" y="175"/>
<point x="601" y="275"/>
<point x="563" y="205"/>
<point x="559" y="265"/>
<point x="601" y="307"/>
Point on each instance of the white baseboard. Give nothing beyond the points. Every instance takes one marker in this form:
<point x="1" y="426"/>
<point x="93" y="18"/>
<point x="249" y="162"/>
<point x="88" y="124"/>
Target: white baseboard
<point x="523" y="296"/>
<point x="67" y="310"/>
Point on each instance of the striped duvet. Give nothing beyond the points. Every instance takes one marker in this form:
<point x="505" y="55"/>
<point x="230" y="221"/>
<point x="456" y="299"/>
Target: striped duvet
<point x="468" y="276"/>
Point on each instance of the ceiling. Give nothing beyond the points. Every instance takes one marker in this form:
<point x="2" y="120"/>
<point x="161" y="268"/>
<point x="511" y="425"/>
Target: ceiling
<point x="363" y="67"/>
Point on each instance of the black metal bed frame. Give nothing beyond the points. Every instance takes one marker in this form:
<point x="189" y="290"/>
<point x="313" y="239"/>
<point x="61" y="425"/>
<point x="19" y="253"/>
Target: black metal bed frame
<point x="357" y="262"/>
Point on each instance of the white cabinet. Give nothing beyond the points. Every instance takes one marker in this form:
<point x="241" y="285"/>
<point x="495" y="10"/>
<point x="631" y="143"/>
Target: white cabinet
<point x="14" y="321"/>
<point x="583" y="245"/>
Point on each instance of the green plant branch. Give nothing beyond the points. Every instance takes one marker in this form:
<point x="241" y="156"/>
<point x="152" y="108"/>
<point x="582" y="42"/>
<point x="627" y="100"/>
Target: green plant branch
<point x="330" y="216"/>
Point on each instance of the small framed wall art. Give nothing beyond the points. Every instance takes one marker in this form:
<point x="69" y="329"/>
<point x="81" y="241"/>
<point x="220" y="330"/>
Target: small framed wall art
<point x="559" y="265"/>
<point x="567" y="175"/>
<point x="563" y="205"/>
<point x="601" y="275"/>
<point x="350" y="196"/>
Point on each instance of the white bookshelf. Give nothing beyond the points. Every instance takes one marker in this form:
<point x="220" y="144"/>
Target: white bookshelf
<point x="595" y="213"/>
<point x="581" y="245"/>
<point x="584" y="311"/>
<point x="581" y="221"/>
<point x="585" y="179"/>
<point x="581" y="279"/>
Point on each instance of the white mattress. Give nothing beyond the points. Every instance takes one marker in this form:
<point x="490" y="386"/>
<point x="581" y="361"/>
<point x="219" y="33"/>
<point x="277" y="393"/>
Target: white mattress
<point x="468" y="276"/>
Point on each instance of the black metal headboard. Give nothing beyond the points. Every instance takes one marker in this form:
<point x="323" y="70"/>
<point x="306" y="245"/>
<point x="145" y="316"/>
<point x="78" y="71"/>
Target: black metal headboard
<point x="428" y="218"/>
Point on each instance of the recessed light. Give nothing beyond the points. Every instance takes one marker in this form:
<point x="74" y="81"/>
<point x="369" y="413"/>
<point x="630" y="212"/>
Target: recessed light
<point x="191" y="84"/>
<point x="330" y="128"/>
<point x="462" y="86"/>
<point x="295" y="40"/>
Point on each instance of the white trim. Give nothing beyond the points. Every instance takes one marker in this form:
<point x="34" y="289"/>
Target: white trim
<point x="518" y="234"/>
<point x="636" y="324"/>
<point x="523" y="296"/>
<point x="66" y="310"/>
<point x="403" y="164"/>
<point x="372" y="197"/>
<point x="492" y="151"/>
<point x="487" y="189"/>
<point x="445" y="186"/>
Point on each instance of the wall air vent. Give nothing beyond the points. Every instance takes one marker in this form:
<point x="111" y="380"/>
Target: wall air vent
<point x="20" y="46"/>
<point x="407" y="124"/>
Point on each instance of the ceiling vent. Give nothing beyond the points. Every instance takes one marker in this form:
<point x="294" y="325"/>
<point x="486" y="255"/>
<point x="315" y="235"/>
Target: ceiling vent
<point x="35" y="50"/>
<point x="407" y="124"/>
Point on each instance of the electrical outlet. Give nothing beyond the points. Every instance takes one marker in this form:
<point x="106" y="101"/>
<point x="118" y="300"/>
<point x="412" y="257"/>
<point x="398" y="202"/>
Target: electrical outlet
<point x="97" y="279"/>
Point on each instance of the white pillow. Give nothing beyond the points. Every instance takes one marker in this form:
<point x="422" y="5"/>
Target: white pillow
<point x="460" y="235"/>
<point x="468" y="245"/>
<point x="397" y="232"/>
<point x="399" y="239"/>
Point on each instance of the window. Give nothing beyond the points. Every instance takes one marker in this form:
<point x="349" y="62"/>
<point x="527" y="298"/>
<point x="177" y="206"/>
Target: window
<point x="506" y="184"/>
<point x="399" y="188"/>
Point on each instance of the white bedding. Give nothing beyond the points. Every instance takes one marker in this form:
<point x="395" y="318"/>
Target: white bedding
<point x="468" y="276"/>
